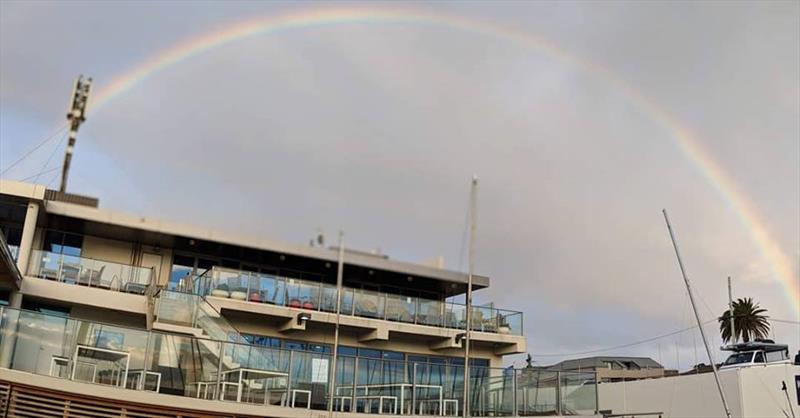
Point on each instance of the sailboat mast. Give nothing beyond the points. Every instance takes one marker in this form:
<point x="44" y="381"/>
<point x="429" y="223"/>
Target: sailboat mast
<point x="473" y="203"/>
<point x="697" y="316"/>
<point x="76" y="116"/>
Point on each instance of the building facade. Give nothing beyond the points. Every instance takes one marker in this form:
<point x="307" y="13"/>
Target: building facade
<point x="159" y="308"/>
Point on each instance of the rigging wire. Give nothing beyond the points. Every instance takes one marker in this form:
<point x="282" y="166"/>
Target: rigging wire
<point x="52" y="154"/>
<point x="46" y="140"/>
<point x="647" y="340"/>
<point x="40" y="173"/>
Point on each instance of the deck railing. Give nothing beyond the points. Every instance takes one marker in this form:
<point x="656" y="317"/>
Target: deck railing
<point x="89" y="272"/>
<point x="177" y="364"/>
<point x="317" y="296"/>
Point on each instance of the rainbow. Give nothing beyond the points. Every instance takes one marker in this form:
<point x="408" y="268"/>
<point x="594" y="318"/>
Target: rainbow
<point x="779" y="263"/>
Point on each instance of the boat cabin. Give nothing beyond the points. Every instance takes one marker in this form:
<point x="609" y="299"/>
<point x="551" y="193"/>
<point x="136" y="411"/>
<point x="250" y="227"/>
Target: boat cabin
<point x="759" y="352"/>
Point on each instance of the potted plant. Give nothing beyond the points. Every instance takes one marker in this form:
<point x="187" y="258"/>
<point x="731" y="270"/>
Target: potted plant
<point x="504" y="328"/>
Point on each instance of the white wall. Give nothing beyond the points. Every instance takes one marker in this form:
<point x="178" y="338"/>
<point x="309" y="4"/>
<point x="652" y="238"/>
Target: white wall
<point x="752" y="392"/>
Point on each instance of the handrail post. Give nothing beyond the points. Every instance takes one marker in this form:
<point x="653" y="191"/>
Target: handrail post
<point x="413" y="387"/>
<point x="558" y="393"/>
<point x="220" y="363"/>
<point x="596" y="395"/>
<point x="514" y="410"/>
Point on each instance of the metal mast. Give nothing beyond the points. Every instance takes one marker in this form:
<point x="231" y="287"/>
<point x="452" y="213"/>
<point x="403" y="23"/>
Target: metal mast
<point x="76" y="116"/>
<point x="730" y="310"/>
<point x="697" y="317"/>
<point x="339" y="276"/>
<point x="473" y="207"/>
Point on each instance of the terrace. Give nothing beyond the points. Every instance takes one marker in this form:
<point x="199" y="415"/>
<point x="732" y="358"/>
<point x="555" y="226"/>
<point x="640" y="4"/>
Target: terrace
<point x="231" y="371"/>
<point x="317" y="296"/>
<point x="89" y="272"/>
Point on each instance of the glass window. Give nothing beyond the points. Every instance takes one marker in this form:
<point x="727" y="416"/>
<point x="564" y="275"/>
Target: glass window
<point x="393" y="355"/>
<point x="759" y="358"/>
<point x="368" y="353"/>
<point x="182" y="268"/>
<point x="72" y="244"/>
<point x="348" y="351"/>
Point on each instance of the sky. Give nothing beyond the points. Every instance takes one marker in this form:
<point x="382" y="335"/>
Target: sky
<point x="570" y="114"/>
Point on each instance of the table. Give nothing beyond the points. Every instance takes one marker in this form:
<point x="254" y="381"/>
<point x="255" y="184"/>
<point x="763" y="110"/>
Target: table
<point x="402" y="387"/>
<point x="102" y="354"/>
<point x="294" y="396"/>
<point x="242" y="375"/>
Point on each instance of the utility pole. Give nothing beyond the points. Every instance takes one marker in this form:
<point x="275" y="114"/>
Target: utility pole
<point x="76" y="116"/>
<point x="730" y="310"/>
<point x="339" y="278"/>
<point x="473" y="203"/>
<point x="697" y="316"/>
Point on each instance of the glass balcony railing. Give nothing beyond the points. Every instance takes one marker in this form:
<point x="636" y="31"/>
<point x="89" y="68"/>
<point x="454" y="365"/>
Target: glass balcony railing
<point x="303" y="294"/>
<point x="182" y="365"/>
<point x="14" y="249"/>
<point x="89" y="272"/>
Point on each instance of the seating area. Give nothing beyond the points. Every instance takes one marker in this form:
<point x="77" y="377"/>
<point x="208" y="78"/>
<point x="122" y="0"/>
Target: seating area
<point x="89" y="272"/>
<point x="317" y="296"/>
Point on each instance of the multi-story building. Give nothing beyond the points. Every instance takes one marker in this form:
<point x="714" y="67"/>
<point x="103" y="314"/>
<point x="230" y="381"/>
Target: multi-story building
<point x="613" y="368"/>
<point x="104" y="305"/>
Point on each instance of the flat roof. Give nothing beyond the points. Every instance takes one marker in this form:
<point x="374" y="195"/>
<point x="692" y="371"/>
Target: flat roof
<point x="164" y="227"/>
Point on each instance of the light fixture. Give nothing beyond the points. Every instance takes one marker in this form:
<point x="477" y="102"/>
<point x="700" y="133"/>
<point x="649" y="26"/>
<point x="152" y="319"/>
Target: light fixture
<point x="460" y="337"/>
<point x="303" y="317"/>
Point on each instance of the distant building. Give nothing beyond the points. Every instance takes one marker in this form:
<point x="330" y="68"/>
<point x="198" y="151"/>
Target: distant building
<point x="613" y="369"/>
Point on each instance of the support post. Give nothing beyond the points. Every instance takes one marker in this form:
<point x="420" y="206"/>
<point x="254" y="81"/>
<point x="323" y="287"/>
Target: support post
<point x="220" y="364"/>
<point x="413" y="386"/>
<point x="697" y="316"/>
<point x="558" y="393"/>
<point x="26" y="241"/>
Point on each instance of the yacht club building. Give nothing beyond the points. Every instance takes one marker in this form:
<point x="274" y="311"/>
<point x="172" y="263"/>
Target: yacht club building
<point x="108" y="310"/>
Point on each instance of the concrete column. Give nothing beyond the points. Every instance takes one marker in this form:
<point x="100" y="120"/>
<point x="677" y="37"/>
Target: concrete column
<point x="28" y="231"/>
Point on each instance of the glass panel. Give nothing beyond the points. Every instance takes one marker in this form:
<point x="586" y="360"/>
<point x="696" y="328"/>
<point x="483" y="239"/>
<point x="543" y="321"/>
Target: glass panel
<point x="255" y="374"/>
<point x="484" y="319"/>
<point x="430" y="312"/>
<point x="536" y="392"/>
<point x="309" y="380"/>
<point x="176" y="308"/>
<point x="42" y="344"/>
<point x="328" y="303"/>
<point x="401" y="308"/>
<point x="578" y="395"/>
<point x="455" y="316"/>
<point x="302" y="294"/>
<point x="369" y="304"/>
<point x="267" y="289"/>
<point x="182" y="270"/>
<point x="510" y="322"/>
<point x="105" y="354"/>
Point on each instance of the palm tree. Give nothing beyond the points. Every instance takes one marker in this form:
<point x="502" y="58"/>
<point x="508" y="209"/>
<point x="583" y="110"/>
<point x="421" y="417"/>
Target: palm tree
<point x="749" y="321"/>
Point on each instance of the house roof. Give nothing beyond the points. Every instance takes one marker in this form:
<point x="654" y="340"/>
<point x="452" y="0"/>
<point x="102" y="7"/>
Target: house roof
<point x="600" y="362"/>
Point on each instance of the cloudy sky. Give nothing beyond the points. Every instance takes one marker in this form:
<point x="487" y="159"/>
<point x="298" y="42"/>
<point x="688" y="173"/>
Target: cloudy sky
<point x="375" y="126"/>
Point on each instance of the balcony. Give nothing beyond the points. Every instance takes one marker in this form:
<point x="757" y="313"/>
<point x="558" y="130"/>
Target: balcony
<point x="224" y="371"/>
<point x="316" y="296"/>
<point x="89" y="272"/>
